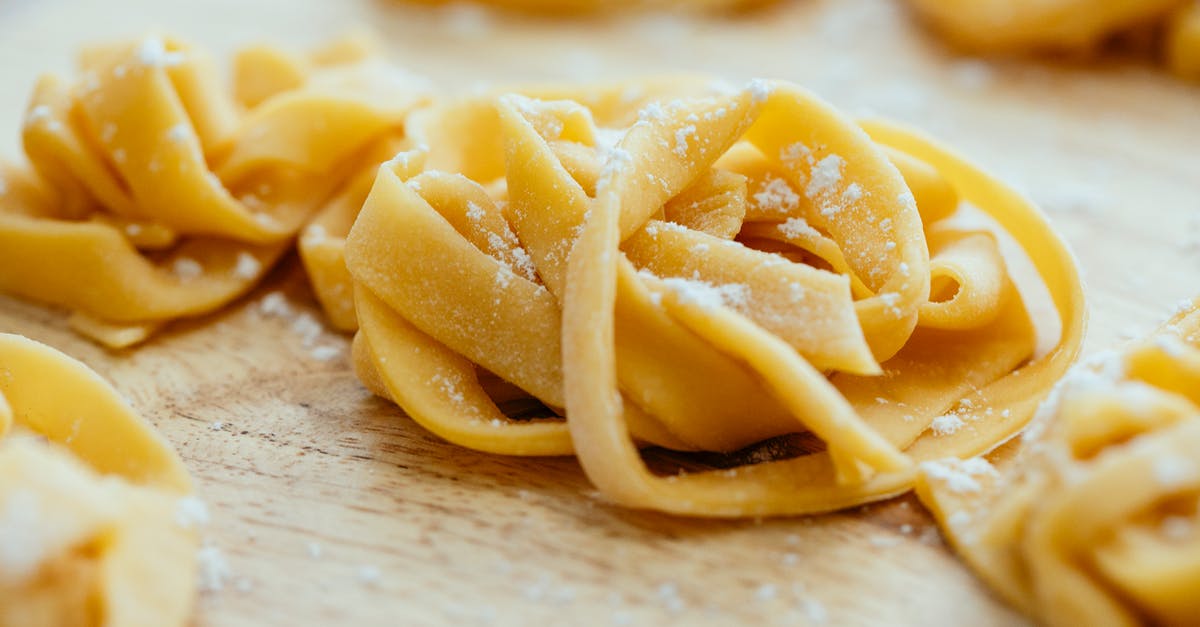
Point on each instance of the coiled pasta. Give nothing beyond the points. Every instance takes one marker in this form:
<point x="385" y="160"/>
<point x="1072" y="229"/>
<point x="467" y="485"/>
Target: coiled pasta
<point x="1097" y="522"/>
<point x="1067" y="25"/>
<point x="89" y="530"/>
<point x="156" y="194"/>
<point x="721" y="270"/>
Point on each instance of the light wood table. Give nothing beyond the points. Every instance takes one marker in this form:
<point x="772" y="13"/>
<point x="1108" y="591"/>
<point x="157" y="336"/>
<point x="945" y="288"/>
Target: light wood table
<point x="315" y="486"/>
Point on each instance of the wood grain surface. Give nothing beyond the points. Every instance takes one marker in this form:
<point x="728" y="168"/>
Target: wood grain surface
<point x="333" y="508"/>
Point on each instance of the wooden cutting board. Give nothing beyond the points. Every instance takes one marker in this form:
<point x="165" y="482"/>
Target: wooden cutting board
<point x="333" y="508"/>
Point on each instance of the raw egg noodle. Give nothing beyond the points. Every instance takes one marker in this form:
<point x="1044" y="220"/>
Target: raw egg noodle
<point x="1097" y="521"/>
<point x="322" y="243"/>
<point x="1067" y="25"/>
<point x="91" y="495"/>
<point x="723" y="269"/>
<point x="156" y="194"/>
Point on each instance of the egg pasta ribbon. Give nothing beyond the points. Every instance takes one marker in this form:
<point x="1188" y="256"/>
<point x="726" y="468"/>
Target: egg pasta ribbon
<point x="1096" y="521"/>
<point x="1067" y="25"/>
<point x="155" y="193"/>
<point x="89" y="498"/>
<point x="717" y="270"/>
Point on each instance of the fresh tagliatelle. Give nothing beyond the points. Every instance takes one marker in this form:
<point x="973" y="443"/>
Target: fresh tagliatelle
<point x="90" y="531"/>
<point x="1097" y="521"/>
<point x="1067" y="25"/>
<point x="155" y="193"/>
<point x="660" y="264"/>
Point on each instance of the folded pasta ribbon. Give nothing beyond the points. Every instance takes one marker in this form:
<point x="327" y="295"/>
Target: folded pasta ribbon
<point x="1097" y="521"/>
<point x="156" y="194"/>
<point x="89" y="498"/>
<point x="726" y="269"/>
<point x="1067" y="25"/>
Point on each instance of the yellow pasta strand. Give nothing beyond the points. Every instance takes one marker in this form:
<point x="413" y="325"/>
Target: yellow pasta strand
<point x="323" y="242"/>
<point x="714" y="271"/>
<point x="1096" y="522"/>
<point x="89" y="528"/>
<point x="1020" y="393"/>
<point x="157" y="195"/>
<point x="92" y="420"/>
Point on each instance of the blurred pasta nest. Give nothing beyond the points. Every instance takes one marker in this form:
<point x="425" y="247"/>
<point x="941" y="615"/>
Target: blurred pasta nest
<point x="1070" y="26"/>
<point x="1095" y="521"/>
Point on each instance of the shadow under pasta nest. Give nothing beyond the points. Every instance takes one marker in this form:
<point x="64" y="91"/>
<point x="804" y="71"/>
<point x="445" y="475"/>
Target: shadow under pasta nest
<point x="559" y="485"/>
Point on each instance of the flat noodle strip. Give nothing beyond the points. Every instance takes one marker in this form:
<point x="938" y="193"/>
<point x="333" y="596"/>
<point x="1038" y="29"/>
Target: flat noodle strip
<point x="92" y="421"/>
<point x="1097" y="521"/>
<point x="322" y="244"/>
<point x="91" y="532"/>
<point x="158" y="196"/>
<point x="725" y="269"/>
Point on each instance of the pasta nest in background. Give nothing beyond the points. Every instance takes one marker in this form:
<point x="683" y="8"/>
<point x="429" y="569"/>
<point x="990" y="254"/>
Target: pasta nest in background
<point x="1068" y="25"/>
<point x="156" y="194"/>
<point x="1097" y="520"/>
<point x="664" y="265"/>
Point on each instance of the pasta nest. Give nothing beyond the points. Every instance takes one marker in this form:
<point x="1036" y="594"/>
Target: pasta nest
<point x="156" y="194"/>
<point x="1097" y="522"/>
<point x="669" y="266"/>
<point x="89" y="496"/>
<point x="1068" y="25"/>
